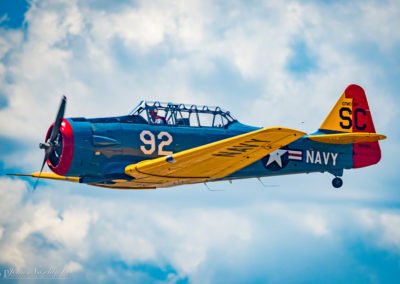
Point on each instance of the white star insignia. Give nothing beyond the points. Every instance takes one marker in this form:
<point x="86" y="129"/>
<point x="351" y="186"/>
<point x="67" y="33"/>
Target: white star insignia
<point x="276" y="156"/>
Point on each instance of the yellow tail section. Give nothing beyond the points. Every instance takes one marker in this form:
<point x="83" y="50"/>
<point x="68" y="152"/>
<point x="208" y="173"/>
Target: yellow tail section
<point x="340" y="117"/>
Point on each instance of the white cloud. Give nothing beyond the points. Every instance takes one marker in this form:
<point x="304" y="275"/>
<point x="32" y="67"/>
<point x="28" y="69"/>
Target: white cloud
<point x="72" y="267"/>
<point x="70" y="231"/>
<point x="69" y="48"/>
<point x="391" y="225"/>
<point x="385" y="224"/>
<point x="316" y="224"/>
<point x="24" y="219"/>
<point x="199" y="231"/>
<point x="129" y="231"/>
<point x="10" y="196"/>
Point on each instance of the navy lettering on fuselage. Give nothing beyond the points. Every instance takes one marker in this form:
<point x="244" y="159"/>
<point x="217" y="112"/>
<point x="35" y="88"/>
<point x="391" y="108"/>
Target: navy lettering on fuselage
<point x="322" y="158"/>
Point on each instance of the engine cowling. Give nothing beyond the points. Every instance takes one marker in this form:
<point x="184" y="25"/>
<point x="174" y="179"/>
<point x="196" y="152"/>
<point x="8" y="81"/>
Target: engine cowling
<point x="60" y="159"/>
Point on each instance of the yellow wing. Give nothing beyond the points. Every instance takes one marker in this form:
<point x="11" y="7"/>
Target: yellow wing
<point x="47" y="176"/>
<point x="347" y="138"/>
<point x="212" y="161"/>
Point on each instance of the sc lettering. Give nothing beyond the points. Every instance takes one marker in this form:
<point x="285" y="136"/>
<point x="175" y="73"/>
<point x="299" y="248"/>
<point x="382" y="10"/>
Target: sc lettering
<point x="346" y="116"/>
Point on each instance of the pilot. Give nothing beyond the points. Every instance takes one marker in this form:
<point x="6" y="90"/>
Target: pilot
<point x="157" y="119"/>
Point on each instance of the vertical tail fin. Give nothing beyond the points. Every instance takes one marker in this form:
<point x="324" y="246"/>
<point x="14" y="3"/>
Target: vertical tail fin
<point x="352" y="114"/>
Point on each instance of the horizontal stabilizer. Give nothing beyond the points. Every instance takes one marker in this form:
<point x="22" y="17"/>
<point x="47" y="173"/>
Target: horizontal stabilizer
<point x="347" y="138"/>
<point x="47" y="176"/>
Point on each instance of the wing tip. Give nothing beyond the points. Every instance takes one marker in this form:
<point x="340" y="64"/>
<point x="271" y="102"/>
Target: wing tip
<point x="18" y="175"/>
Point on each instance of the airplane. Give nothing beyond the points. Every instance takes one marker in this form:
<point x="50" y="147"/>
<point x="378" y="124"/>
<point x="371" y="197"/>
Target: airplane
<point x="162" y="145"/>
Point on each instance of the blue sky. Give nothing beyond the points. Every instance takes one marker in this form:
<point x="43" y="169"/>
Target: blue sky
<point x="272" y="63"/>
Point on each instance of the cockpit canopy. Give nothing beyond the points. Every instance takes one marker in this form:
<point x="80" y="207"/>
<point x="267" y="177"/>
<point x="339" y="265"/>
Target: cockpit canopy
<point x="182" y="114"/>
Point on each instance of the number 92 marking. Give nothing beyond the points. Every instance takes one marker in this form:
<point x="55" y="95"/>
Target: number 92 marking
<point x="148" y="138"/>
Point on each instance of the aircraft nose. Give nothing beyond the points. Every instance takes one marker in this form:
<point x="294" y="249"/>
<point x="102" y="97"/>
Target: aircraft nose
<point x="60" y="158"/>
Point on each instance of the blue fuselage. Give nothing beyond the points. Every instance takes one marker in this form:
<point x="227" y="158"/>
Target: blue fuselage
<point x="104" y="147"/>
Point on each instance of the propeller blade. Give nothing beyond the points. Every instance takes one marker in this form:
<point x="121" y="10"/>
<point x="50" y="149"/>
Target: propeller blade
<point x="46" y="156"/>
<point x="49" y="145"/>
<point x="59" y="118"/>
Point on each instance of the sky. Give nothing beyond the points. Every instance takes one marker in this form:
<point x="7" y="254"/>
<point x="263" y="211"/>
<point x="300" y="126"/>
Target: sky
<point x="271" y="63"/>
